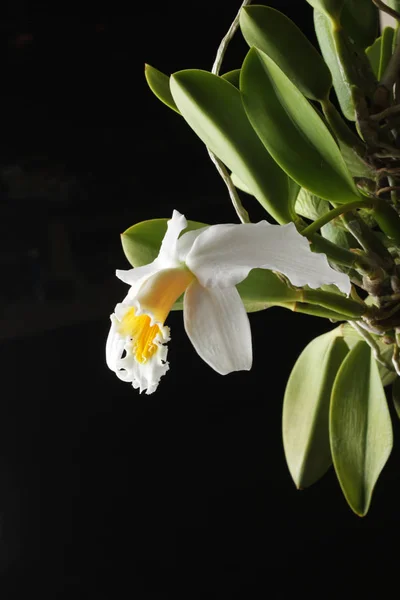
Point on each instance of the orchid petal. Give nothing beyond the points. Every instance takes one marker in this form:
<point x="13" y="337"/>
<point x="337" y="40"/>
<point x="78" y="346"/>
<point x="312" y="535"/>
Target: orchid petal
<point x="218" y="327"/>
<point x="223" y="255"/>
<point x="120" y="357"/>
<point x="167" y="256"/>
<point x="186" y="241"/>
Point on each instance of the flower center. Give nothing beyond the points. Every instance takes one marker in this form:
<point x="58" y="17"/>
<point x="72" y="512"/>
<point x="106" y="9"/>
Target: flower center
<point x="141" y="333"/>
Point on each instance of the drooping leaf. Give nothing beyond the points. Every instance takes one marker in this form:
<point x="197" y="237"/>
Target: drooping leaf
<point x="361" y="21"/>
<point x="292" y="131"/>
<point x="233" y="77"/>
<point x="310" y="206"/>
<point x="272" y="32"/>
<point x="331" y="8"/>
<point x="305" y="419"/>
<point x="341" y="83"/>
<point x="159" y="85"/>
<point x="239" y="184"/>
<point x="373" y="53"/>
<point x="352" y="337"/>
<point x="213" y="108"/>
<point x="386" y="50"/>
<point x="396" y="395"/>
<point x="141" y="244"/>
<point x="360" y="427"/>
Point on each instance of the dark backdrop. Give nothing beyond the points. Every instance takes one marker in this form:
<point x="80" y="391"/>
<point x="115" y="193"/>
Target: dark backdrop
<point x="102" y="489"/>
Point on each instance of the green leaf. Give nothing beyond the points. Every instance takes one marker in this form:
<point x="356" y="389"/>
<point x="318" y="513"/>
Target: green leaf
<point x="386" y="50"/>
<point x="159" y="85"/>
<point x="292" y="131"/>
<point x="396" y="395"/>
<point x="352" y="337"/>
<point x="331" y="8"/>
<point x="272" y="32"/>
<point x="305" y="419"/>
<point x="141" y="244"/>
<point x="373" y="53"/>
<point x="310" y="206"/>
<point x="239" y="184"/>
<point x="360" y="427"/>
<point x="213" y="108"/>
<point x="360" y="19"/>
<point x="326" y="41"/>
<point x="233" y="77"/>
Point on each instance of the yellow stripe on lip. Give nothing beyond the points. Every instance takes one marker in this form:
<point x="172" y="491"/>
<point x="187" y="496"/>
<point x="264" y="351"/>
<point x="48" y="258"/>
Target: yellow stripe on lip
<point x="155" y="297"/>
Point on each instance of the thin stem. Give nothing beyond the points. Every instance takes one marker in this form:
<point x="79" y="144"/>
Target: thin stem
<point x="225" y="41"/>
<point x="332" y="214"/>
<point x="395" y="360"/>
<point x="388" y="188"/>
<point x="234" y="196"/>
<point x="371" y="343"/>
<point x="237" y="205"/>
<point x="384" y="8"/>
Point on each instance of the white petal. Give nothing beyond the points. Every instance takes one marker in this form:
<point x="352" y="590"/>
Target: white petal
<point x="223" y="255"/>
<point x="186" y="241"/>
<point x="218" y="327"/>
<point x="168" y="252"/>
<point x="167" y="257"/>
<point x="120" y="358"/>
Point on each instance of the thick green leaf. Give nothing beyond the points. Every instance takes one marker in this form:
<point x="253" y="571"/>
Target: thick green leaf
<point x="272" y="32"/>
<point x="360" y="427"/>
<point x="332" y="8"/>
<point x="159" y="85"/>
<point x="396" y="395"/>
<point x="347" y="62"/>
<point x="360" y="19"/>
<point x="386" y="50"/>
<point x="352" y="337"/>
<point x="305" y="419"/>
<point x="141" y="244"/>
<point x="373" y="53"/>
<point x="324" y="32"/>
<point x="310" y="206"/>
<point x="239" y="184"/>
<point x="214" y="110"/>
<point x="233" y="77"/>
<point x="292" y="131"/>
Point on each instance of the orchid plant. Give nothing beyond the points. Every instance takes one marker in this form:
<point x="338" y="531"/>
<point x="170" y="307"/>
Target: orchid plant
<point x="326" y="169"/>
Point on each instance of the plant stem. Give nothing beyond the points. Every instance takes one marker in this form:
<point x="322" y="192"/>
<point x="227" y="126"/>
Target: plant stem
<point x="234" y="196"/>
<point x="372" y="344"/>
<point x="332" y="214"/>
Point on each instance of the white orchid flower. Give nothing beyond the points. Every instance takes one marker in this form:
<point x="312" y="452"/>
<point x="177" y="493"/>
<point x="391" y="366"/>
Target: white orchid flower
<point x="205" y="265"/>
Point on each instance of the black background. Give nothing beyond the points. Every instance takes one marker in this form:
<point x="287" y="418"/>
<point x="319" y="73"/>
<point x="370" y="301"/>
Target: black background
<point x="101" y="489"/>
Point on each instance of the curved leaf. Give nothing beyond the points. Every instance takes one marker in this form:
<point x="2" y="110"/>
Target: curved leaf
<point x="233" y="77"/>
<point x="311" y="206"/>
<point x="360" y="19"/>
<point x="141" y="244"/>
<point x="324" y="33"/>
<point x="272" y="32"/>
<point x="332" y="8"/>
<point x="396" y="395"/>
<point x="373" y="53"/>
<point x="386" y="50"/>
<point x="305" y="419"/>
<point x="360" y="427"/>
<point x="213" y="108"/>
<point x="159" y="85"/>
<point x="292" y="131"/>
